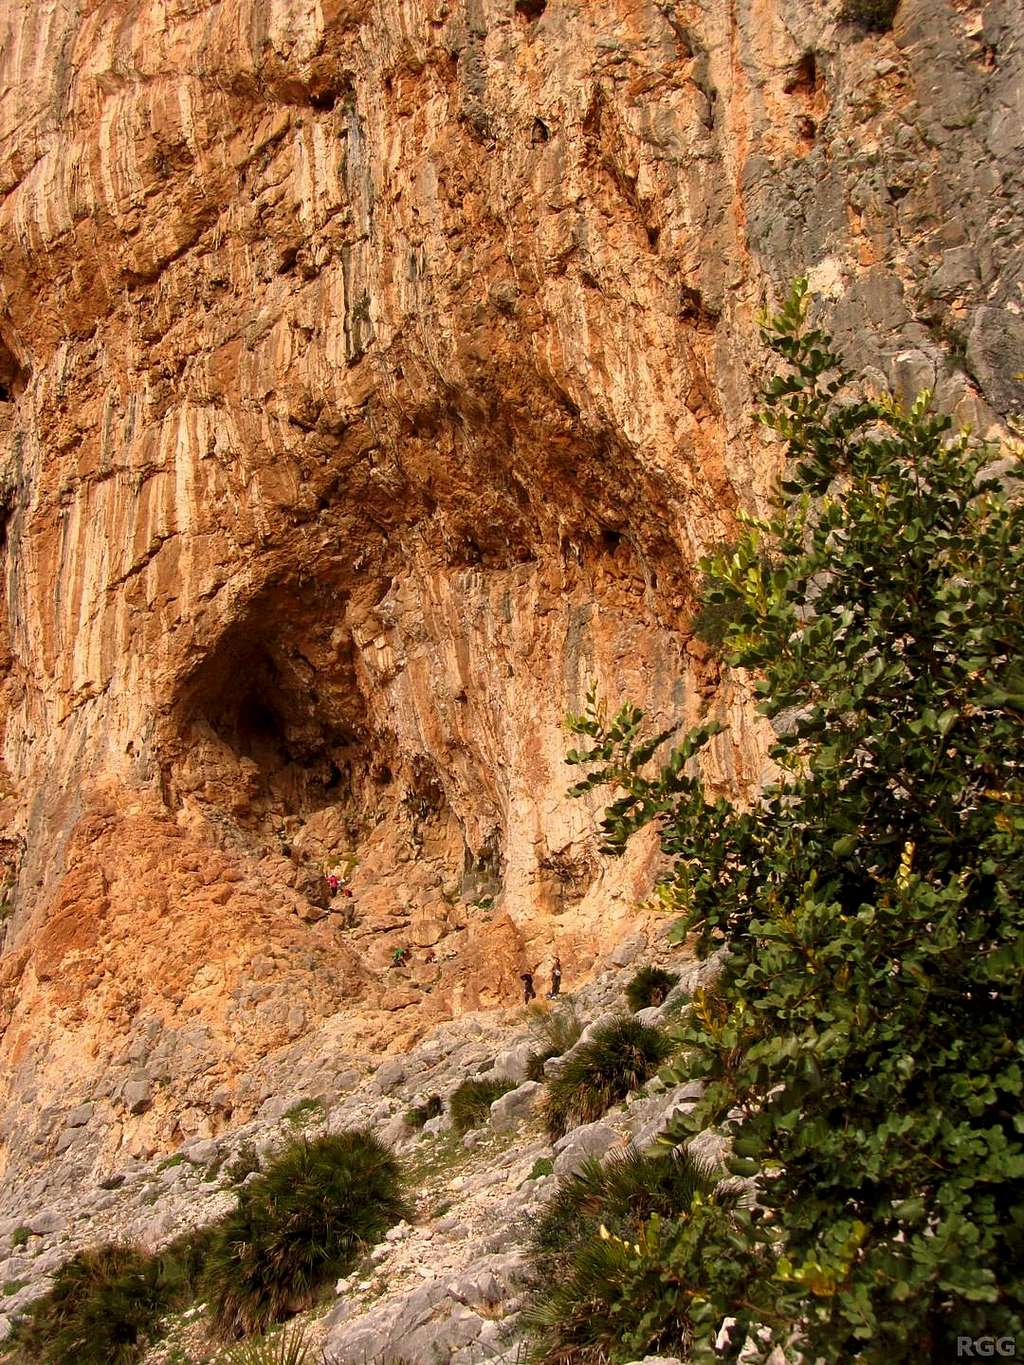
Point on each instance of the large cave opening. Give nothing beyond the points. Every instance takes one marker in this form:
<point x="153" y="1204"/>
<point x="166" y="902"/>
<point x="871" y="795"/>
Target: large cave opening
<point x="272" y="726"/>
<point x="277" y="747"/>
<point x="13" y="375"/>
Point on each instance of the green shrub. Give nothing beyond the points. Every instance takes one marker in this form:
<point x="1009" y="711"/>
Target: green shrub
<point x="543" y="1166"/>
<point x="20" y="1236"/>
<point x="649" y="987"/>
<point x="304" y="1111"/>
<point x="419" y="1114"/>
<point x="876" y="16"/>
<point x="245" y="1162"/>
<point x="470" y="1104"/>
<point x="862" y="1048"/>
<point x="556" y="1031"/>
<point x="619" y="1057"/>
<point x="300" y="1224"/>
<point x="535" y="1063"/>
<point x="593" y="1260"/>
<point x="292" y="1347"/>
<point x="105" y="1304"/>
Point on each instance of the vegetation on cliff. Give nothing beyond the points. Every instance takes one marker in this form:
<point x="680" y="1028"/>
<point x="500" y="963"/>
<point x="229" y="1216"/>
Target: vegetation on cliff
<point x="649" y="986"/>
<point x="106" y="1303"/>
<point x="585" y="1241"/>
<point x="863" y="1048"/>
<point x="620" y="1056"/>
<point x="470" y="1104"/>
<point x="299" y="1225"/>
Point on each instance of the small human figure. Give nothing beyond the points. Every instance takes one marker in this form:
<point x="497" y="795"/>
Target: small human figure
<point x="528" y="992"/>
<point x="400" y="956"/>
<point x="556" y="979"/>
<point x="333" y="882"/>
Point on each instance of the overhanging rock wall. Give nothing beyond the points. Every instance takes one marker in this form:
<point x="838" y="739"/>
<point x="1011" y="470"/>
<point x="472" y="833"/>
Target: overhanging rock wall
<point x="372" y="376"/>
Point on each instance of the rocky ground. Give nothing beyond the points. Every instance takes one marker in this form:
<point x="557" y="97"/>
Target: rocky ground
<point x="447" y="1287"/>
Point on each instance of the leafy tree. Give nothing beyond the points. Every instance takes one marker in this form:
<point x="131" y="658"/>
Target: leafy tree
<point x="863" y="1048"/>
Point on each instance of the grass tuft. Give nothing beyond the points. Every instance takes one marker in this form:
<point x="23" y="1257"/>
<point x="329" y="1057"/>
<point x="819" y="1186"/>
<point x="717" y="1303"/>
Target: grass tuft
<point x="558" y="1028"/>
<point x="106" y="1304"/>
<point x="649" y="987"/>
<point x="245" y="1162"/>
<point x="419" y="1114"/>
<point x="300" y="1224"/>
<point x="556" y="1031"/>
<point x="292" y="1347"/>
<point x="618" y="1058"/>
<point x="471" y="1103"/>
<point x="304" y="1111"/>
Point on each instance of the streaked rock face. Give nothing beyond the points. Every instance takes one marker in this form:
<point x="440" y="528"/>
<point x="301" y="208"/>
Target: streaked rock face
<point x="376" y="374"/>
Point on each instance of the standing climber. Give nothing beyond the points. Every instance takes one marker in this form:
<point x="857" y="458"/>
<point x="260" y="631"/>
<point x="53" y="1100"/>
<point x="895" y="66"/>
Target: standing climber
<point x="528" y="992"/>
<point x="556" y="979"/>
<point x="333" y="882"/>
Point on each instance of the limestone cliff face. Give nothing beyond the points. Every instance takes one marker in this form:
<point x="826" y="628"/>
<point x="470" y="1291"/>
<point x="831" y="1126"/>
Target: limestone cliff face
<point x="375" y="373"/>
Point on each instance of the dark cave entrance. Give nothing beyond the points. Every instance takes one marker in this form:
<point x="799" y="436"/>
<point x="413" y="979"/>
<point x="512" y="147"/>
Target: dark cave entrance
<point x="274" y="718"/>
<point x="13" y="376"/>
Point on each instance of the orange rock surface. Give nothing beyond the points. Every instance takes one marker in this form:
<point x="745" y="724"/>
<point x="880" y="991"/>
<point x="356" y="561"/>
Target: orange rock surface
<point x="374" y="374"/>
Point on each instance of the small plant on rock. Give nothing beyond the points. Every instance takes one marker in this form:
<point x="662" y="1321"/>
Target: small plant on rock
<point x="558" y="1028"/>
<point x="419" y="1114"/>
<point x="470" y="1105"/>
<point x="649" y="987"/>
<point x="105" y="1305"/>
<point x="556" y="1031"/>
<point x="300" y="1224"/>
<point x="245" y="1162"/>
<point x="279" y="1348"/>
<point x="535" y="1064"/>
<point x="304" y="1111"/>
<point x="618" y="1058"/>
<point x="20" y="1236"/>
<point x="874" y="15"/>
